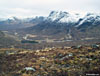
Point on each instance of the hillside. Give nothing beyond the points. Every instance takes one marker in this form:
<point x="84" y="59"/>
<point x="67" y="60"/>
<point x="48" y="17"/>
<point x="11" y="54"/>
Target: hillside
<point x="7" y="41"/>
<point x="66" y="61"/>
<point x="1" y="34"/>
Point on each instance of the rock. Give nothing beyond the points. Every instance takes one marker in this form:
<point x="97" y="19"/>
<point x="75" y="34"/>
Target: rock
<point x="29" y="69"/>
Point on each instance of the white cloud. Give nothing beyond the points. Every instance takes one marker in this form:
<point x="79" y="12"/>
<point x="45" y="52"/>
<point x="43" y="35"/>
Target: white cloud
<point x="25" y="8"/>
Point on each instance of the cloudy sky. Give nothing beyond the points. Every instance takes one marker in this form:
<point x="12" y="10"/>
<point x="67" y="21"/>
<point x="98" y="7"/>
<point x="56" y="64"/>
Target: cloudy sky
<point x="31" y="8"/>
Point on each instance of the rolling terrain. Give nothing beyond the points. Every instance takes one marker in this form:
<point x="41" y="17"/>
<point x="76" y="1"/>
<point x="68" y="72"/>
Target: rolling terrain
<point x="67" y="61"/>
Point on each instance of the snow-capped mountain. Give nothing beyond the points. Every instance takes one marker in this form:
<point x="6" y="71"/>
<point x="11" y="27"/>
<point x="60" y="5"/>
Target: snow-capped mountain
<point x="58" y="17"/>
<point x="60" y="23"/>
<point x="13" y="18"/>
<point x="63" y="17"/>
<point x="75" y="19"/>
<point x="92" y="18"/>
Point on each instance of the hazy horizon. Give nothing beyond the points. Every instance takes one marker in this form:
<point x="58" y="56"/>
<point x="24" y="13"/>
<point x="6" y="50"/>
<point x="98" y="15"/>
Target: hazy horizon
<point x="32" y="8"/>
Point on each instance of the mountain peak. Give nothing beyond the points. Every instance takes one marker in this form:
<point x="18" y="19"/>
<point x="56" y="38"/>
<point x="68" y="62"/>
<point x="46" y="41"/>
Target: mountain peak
<point x="90" y="18"/>
<point x="63" y="17"/>
<point x="57" y="13"/>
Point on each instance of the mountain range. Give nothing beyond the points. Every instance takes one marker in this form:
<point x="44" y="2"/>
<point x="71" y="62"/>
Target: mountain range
<point x="58" y="24"/>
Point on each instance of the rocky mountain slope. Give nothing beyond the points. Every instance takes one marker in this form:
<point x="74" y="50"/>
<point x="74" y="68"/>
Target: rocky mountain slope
<point x="63" y="23"/>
